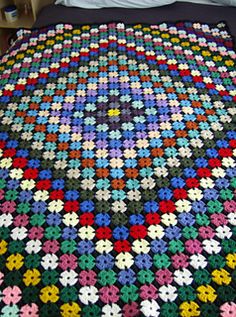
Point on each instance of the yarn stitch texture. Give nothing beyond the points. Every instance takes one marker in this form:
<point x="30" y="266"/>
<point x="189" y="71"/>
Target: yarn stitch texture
<point x="117" y="172"/>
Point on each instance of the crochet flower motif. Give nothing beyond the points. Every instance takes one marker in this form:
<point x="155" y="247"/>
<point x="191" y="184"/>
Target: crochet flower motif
<point x="117" y="171"/>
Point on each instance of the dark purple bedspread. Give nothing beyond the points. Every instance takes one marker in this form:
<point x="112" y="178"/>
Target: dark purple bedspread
<point x="174" y="12"/>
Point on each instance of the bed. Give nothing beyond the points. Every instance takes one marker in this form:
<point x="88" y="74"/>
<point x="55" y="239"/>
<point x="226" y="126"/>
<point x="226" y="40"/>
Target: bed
<point x="177" y="11"/>
<point x="117" y="164"/>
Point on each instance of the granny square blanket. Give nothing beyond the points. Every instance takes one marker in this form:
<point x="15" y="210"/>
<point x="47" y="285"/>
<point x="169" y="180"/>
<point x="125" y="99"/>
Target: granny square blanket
<point x="118" y="172"/>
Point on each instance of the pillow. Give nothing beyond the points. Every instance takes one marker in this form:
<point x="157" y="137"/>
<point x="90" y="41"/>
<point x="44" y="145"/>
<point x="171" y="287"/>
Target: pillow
<point x="208" y="2"/>
<point x="97" y="4"/>
<point x="226" y="2"/>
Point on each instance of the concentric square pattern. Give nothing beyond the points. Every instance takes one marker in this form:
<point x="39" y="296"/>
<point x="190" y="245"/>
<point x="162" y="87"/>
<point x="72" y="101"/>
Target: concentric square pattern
<point x="117" y="172"/>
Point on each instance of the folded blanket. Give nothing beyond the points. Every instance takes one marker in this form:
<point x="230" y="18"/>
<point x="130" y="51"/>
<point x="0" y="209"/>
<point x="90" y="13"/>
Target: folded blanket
<point x="117" y="171"/>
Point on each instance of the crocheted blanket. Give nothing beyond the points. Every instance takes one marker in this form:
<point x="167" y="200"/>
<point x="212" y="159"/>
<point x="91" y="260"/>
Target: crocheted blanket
<point x="117" y="172"/>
